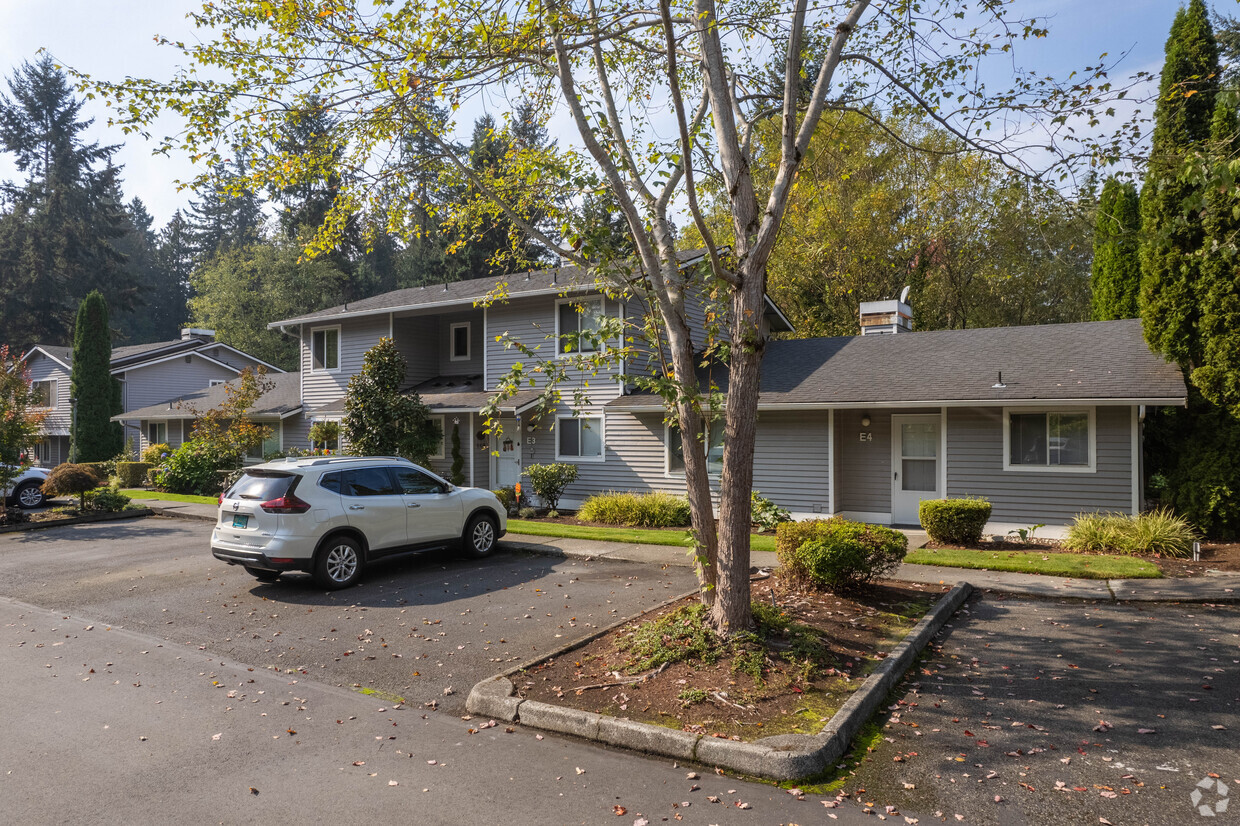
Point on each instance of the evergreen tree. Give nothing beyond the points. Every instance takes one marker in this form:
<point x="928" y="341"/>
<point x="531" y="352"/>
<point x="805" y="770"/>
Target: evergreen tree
<point x="379" y="420"/>
<point x="227" y="216"/>
<point x="1182" y="116"/>
<point x="1218" y="376"/>
<point x="57" y="240"/>
<point x="1117" y="266"/>
<point x="96" y="394"/>
<point x="161" y="309"/>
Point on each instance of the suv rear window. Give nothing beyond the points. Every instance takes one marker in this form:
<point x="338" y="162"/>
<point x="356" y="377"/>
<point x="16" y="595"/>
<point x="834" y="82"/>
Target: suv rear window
<point x="261" y="485"/>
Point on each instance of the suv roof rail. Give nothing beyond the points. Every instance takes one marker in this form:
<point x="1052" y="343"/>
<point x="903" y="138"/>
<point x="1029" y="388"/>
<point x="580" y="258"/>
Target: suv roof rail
<point x="333" y="459"/>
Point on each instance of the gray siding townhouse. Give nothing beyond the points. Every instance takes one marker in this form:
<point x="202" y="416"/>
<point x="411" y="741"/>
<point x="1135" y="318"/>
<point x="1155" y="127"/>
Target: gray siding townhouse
<point x="1043" y="421"/>
<point x="278" y="409"/>
<point x="149" y="374"/>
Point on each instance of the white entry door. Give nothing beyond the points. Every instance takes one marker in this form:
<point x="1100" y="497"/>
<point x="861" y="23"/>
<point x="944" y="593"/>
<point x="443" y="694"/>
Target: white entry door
<point x="914" y="465"/>
<point x="507" y="447"/>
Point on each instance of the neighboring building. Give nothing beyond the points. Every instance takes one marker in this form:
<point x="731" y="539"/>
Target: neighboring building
<point x="149" y="374"/>
<point x="863" y="426"/>
<point x="279" y="409"/>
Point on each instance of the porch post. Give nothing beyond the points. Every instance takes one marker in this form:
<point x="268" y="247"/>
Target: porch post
<point x="831" y="461"/>
<point x="471" y="448"/>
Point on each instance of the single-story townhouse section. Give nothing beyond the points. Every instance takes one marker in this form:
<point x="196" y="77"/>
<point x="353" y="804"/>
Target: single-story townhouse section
<point x="1044" y="421"/>
<point x="148" y="373"/>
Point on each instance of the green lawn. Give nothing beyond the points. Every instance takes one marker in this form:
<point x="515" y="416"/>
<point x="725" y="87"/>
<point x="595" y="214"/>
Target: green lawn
<point x="643" y="536"/>
<point x="1083" y="566"/>
<point x="139" y="493"/>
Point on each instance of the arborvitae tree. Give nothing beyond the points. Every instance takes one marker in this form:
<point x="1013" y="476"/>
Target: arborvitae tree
<point x="93" y="437"/>
<point x="381" y="421"/>
<point x="1169" y="261"/>
<point x="1116" y="279"/>
<point x="1218" y="376"/>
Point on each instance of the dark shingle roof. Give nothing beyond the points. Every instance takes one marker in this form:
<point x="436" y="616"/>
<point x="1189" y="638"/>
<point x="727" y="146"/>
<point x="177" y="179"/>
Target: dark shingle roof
<point x="1092" y="360"/>
<point x="548" y="282"/>
<point x="62" y="354"/>
<point x="283" y="398"/>
<point x="449" y="394"/>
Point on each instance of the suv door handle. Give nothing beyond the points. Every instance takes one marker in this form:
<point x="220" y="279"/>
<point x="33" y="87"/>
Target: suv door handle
<point x="414" y="505"/>
<point x="357" y="507"/>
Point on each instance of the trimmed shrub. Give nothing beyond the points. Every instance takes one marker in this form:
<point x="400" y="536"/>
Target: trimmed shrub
<point x="954" y="521"/>
<point x="71" y="480"/>
<point x="528" y="513"/>
<point x="102" y="470"/>
<point x="549" y="481"/>
<point x="636" y="510"/>
<point x="156" y="453"/>
<point x="194" y="468"/>
<point x="107" y="500"/>
<point x="1157" y="532"/>
<point x="152" y="477"/>
<point x="837" y="553"/>
<point x="132" y="474"/>
<point x="508" y="498"/>
<point x="766" y="514"/>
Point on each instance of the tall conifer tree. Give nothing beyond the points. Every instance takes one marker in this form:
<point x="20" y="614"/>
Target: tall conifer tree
<point x="1182" y="116"/>
<point x="1116" y="277"/>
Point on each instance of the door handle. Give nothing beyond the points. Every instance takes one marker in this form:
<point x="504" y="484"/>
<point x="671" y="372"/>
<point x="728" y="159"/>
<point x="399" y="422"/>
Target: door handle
<point x="413" y="505"/>
<point x="357" y="507"/>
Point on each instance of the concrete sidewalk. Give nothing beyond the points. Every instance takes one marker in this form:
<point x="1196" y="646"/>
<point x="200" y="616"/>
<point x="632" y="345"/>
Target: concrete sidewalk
<point x="1203" y="589"/>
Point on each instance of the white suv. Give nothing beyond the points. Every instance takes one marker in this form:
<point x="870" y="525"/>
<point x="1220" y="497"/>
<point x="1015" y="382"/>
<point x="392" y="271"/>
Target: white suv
<point x="330" y="516"/>
<point x="27" y="489"/>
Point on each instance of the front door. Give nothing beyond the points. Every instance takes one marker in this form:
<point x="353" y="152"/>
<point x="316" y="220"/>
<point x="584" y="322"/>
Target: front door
<point x="914" y="465"/>
<point x="507" y="446"/>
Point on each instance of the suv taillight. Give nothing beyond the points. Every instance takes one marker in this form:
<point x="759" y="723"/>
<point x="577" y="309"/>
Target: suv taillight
<point x="288" y="503"/>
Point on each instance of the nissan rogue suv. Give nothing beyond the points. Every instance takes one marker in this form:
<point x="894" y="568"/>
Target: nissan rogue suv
<point x="331" y="516"/>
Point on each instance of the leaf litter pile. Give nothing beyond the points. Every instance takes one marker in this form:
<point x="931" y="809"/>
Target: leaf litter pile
<point x="808" y="653"/>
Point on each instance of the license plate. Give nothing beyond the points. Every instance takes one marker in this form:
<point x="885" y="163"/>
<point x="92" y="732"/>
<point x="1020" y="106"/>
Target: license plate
<point x="240" y="520"/>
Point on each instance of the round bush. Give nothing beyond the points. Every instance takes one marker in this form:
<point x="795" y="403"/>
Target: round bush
<point x="837" y="553"/>
<point x="194" y="468"/>
<point x="954" y="521"/>
<point x="71" y="480"/>
<point x="156" y="453"/>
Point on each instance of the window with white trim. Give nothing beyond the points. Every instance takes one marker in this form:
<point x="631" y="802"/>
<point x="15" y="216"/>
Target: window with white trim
<point x="458" y="342"/>
<point x="676" y="452"/>
<point x="579" y="438"/>
<point x="156" y="433"/>
<point x="1049" y="439"/>
<point x="575" y="317"/>
<point x="439" y="454"/>
<point x="43" y="452"/>
<point x="325" y="350"/>
<point x="269" y="445"/>
<point x="214" y="382"/>
<point x="43" y="393"/>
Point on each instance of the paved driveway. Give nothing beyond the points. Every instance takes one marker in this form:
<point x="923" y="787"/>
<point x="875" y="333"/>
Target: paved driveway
<point x="141" y="681"/>
<point x="1068" y="712"/>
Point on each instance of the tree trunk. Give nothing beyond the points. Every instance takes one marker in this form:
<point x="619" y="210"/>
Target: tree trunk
<point x="731" y="612"/>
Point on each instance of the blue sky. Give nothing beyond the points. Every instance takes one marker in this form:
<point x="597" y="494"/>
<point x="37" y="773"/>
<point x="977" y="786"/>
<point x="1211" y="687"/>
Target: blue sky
<point x="115" y="39"/>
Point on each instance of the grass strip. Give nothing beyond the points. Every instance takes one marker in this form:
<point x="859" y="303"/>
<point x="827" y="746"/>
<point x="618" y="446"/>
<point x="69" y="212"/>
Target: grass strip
<point x="1081" y="566"/>
<point x="139" y="493"/>
<point x="637" y="536"/>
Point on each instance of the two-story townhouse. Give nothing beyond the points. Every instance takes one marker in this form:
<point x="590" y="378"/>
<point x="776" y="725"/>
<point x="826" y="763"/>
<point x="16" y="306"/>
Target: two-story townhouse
<point x="1044" y="421"/>
<point x="149" y="374"/>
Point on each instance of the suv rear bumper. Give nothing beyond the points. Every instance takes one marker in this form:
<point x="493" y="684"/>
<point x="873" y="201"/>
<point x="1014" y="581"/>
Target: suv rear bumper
<point x="257" y="559"/>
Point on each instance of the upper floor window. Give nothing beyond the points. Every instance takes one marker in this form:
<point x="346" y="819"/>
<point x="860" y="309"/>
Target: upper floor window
<point x="714" y="449"/>
<point x="579" y="438"/>
<point x="214" y="382"/>
<point x="43" y="393"/>
<point x="576" y="319"/>
<point x="325" y="349"/>
<point x="458" y="342"/>
<point x="1057" y="440"/>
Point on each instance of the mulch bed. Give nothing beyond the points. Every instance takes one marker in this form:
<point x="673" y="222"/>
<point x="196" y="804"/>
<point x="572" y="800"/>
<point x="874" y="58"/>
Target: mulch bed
<point x="858" y="629"/>
<point x="1215" y="556"/>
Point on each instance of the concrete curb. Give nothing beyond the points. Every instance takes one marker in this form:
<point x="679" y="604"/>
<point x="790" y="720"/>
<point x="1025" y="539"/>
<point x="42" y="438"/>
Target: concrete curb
<point x="786" y="757"/>
<point x="173" y="512"/>
<point x="77" y="520"/>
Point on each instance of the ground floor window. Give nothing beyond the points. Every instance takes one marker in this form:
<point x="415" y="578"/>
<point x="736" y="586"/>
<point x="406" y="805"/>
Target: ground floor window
<point x="43" y="452"/>
<point x="714" y="449"/>
<point x="439" y="451"/>
<point x="325" y="435"/>
<point x="579" y="438"/>
<point x="269" y="445"/>
<point x="156" y="433"/>
<point x="1049" y="439"/>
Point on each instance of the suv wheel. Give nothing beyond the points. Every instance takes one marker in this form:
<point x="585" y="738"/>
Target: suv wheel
<point x="480" y="536"/>
<point x="29" y="495"/>
<point x="338" y="564"/>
